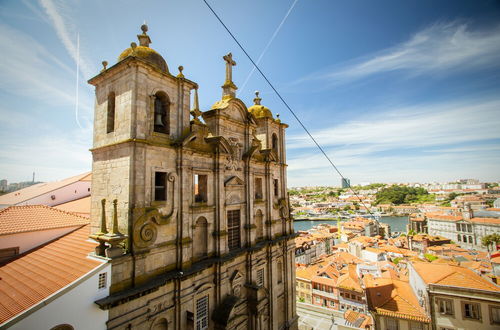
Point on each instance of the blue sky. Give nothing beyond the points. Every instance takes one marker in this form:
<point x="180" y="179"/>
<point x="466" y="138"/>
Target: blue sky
<point x="394" y="90"/>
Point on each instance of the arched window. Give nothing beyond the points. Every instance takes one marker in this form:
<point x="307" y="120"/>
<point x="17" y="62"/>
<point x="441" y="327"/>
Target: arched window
<point x="110" y="123"/>
<point x="275" y="143"/>
<point x="200" y="238"/>
<point x="161" y="324"/>
<point x="470" y="239"/>
<point x="161" y="115"/>
<point x="259" y="223"/>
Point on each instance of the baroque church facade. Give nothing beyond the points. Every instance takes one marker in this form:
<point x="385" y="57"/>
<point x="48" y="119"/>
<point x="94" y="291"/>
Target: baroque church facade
<point x="190" y="207"/>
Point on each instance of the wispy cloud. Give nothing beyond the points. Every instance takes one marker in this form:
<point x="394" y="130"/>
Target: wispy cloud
<point x="439" y="48"/>
<point x="66" y="31"/>
<point x="414" y="126"/>
<point x="420" y="141"/>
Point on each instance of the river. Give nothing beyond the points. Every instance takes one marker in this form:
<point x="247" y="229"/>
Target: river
<point x="396" y="223"/>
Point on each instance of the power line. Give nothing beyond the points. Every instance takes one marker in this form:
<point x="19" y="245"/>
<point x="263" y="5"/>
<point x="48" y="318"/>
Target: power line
<point x="288" y="107"/>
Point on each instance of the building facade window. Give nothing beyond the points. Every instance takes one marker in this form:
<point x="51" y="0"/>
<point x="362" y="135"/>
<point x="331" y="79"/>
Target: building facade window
<point x="392" y="324"/>
<point x="260" y="277"/>
<point x="102" y="281"/>
<point x="275" y="144"/>
<point x="280" y="271"/>
<point x="445" y="306"/>
<point x="233" y="229"/>
<point x="495" y="314"/>
<point x="258" y="188"/>
<point x="110" y="122"/>
<point x="161" y="113"/>
<point x="202" y="313"/>
<point x="200" y="188"/>
<point x="471" y="310"/>
<point x="160" y="186"/>
<point x="276" y="187"/>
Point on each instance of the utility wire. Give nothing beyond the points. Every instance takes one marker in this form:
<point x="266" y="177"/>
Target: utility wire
<point x="289" y="108"/>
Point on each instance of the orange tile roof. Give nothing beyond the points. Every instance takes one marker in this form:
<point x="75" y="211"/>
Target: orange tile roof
<point x="493" y="221"/>
<point x="32" y="277"/>
<point x="357" y="319"/>
<point x="394" y="298"/>
<point x="350" y="280"/>
<point x="449" y="275"/>
<point x="79" y="206"/>
<point x="33" y="191"/>
<point x="18" y="219"/>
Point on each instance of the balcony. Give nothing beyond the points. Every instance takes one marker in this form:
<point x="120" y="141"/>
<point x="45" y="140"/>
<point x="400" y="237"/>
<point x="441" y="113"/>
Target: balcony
<point x="325" y="294"/>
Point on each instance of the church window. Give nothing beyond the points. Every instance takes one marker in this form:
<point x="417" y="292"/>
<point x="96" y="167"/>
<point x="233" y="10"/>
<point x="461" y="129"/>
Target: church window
<point x="161" y="114"/>
<point x="258" y="188"/>
<point x="275" y="143"/>
<point x="259" y="223"/>
<point x="260" y="277"/>
<point x="200" y="188"/>
<point x="110" y="122"/>
<point x="102" y="280"/>
<point x="276" y="187"/>
<point x="201" y="238"/>
<point x="233" y="229"/>
<point x="202" y="313"/>
<point x="280" y="272"/>
<point x="160" y="186"/>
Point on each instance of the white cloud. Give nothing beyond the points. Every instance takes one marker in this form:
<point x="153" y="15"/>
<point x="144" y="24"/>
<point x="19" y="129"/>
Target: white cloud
<point x="434" y="50"/>
<point x="421" y="142"/>
<point x="67" y="32"/>
<point x="421" y="125"/>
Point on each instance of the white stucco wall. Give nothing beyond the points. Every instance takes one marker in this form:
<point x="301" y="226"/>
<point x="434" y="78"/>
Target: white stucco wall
<point x="74" y="306"/>
<point x="62" y="195"/>
<point x="30" y="240"/>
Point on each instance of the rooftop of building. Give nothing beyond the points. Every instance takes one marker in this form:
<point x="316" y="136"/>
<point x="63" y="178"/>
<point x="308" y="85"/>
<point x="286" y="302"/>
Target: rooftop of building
<point x="39" y="189"/>
<point x="454" y="276"/>
<point x="79" y="206"/>
<point x="34" y="276"/>
<point x="28" y="218"/>
<point x="394" y="298"/>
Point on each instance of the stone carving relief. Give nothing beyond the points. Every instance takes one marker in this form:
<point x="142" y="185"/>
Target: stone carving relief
<point x="146" y="226"/>
<point x="234" y="158"/>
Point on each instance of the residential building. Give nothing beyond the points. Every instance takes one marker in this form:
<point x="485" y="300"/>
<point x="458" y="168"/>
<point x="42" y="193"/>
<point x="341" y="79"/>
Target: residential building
<point x="455" y="297"/>
<point x="55" y="286"/>
<point x="467" y="229"/>
<point x="394" y="305"/>
<point x="50" y="193"/>
<point x="201" y="206"/>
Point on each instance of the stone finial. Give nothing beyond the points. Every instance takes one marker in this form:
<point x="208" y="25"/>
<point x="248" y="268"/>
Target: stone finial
<point x="144" y="39"/>
<point x="229" y="88"/>
<point x="104" y="229"/>
<point x="104" y="65"/>
<point x="133" y="45"/>
<point x="115" y="231"/>
<point x="196" y="107"/>
<point x="180" y="75"/>
<point x="257" y="99"/>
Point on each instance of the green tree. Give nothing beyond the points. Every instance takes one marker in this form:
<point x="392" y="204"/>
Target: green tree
<point x="489" y="240"/>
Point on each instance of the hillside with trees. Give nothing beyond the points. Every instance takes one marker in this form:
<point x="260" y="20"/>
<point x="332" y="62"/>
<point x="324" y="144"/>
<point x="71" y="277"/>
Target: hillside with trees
<point x="403" y="195"/>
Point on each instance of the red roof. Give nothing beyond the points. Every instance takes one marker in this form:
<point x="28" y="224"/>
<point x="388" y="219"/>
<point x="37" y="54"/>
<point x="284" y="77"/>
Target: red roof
<point x="19" y="219"/>
<point x="31" y="278"/>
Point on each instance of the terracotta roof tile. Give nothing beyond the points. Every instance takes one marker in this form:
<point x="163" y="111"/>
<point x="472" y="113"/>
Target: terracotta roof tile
<point x="79" y="206"/>
<point x="29" y="279"/>
<point x="449" y="275"/>
<point x="394" y="298"/>
<point x="18" y="219"/>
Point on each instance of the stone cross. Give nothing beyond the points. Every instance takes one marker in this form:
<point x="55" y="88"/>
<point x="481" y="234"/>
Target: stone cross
<point x="229" y="66"/>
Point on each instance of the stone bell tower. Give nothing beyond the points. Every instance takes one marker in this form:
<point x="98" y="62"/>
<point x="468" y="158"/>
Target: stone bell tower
<point x="192" y="214"/>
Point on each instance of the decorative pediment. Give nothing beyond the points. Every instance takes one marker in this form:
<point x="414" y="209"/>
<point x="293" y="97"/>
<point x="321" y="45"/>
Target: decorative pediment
<point x="234" y="181"/>
<point x="220" y="142"/>
<point x="269" y="155"/>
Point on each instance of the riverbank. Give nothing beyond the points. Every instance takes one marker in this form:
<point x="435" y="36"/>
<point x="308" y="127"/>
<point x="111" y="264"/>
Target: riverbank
<point x="396" y="223"/>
